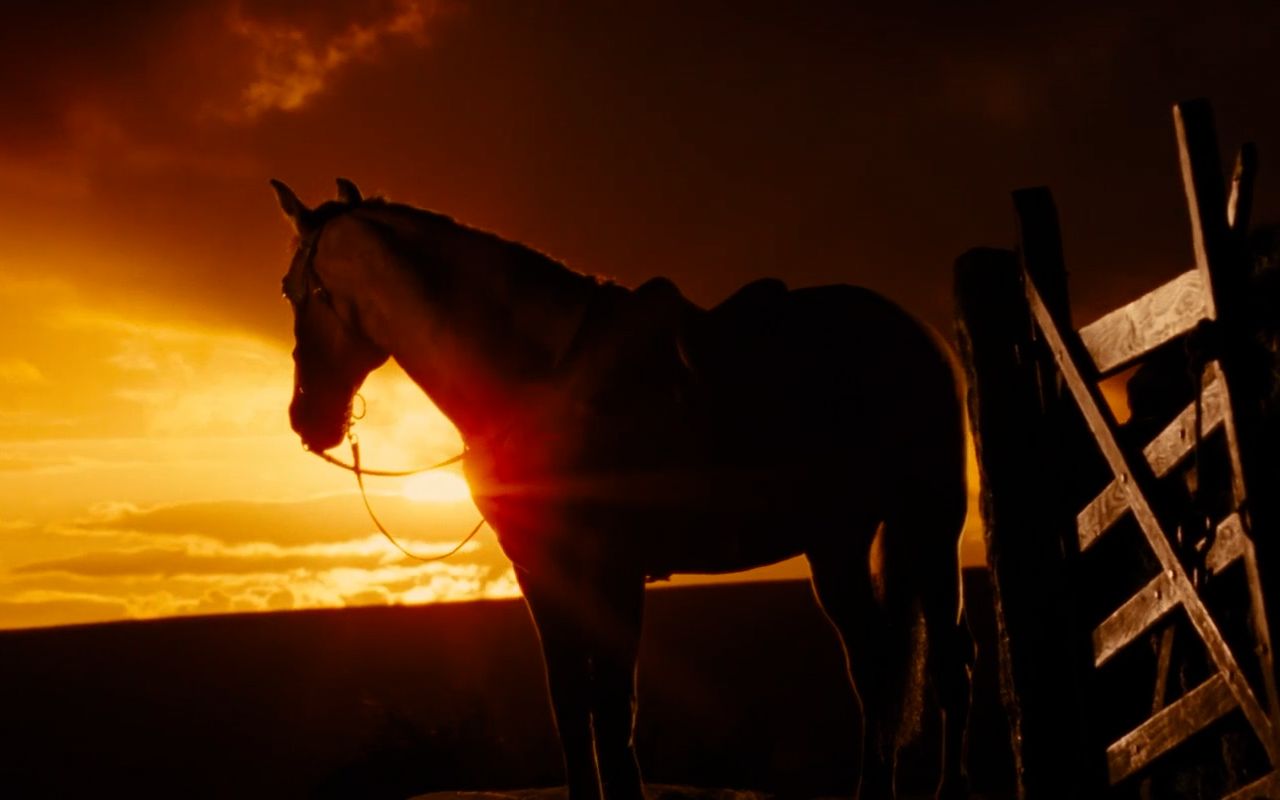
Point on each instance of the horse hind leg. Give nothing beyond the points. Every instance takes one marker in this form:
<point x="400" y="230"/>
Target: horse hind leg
<point x="935" y="574"/>
<point x="843" y="585"/>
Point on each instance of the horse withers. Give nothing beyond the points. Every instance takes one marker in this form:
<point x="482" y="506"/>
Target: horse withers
<point x="614" y="436"/>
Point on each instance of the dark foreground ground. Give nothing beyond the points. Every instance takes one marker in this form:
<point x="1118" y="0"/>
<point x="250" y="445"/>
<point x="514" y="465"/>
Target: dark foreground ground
<point x="740" y="686"/>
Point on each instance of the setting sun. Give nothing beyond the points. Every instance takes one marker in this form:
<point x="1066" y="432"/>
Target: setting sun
<point x="436" y="487"/>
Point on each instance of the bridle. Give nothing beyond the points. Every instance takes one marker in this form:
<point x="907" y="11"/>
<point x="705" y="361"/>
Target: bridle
<point x="313" y="288"/>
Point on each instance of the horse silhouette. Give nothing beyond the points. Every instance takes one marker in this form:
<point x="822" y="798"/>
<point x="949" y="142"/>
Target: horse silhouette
<point x="617" y="436"/>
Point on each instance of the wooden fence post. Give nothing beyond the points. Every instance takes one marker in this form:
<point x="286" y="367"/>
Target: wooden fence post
<point x="1015" y="439"/>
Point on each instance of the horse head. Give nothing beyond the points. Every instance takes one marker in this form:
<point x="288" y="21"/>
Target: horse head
<point x="332" y="354"/>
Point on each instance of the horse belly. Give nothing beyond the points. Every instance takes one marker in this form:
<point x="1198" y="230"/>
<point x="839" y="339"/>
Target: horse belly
<point x="736" y="521"/>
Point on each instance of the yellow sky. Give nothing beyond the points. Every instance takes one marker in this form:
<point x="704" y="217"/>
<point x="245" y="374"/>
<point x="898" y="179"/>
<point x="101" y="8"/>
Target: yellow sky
<point x="147" y="468"/>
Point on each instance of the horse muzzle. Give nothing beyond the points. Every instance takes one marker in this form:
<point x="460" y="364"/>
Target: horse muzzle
<point x="320" y="423"/>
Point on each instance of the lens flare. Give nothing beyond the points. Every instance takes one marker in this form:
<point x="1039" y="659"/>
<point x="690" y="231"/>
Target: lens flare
<point x="436" y="487"/>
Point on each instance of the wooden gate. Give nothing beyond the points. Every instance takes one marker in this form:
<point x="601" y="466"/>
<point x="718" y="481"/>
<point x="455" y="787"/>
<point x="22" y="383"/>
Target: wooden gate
<point x="1126" y="558"/>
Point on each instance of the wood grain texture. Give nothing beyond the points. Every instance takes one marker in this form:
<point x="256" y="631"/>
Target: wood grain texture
<point x="1178" y="439"/>
<point x="1102" y="512"/>
<point x="1163" y="453"/>
<point x="1137" y="614"/>
<point x="1119" y="338"/>
<point x="1102" y="424"/>
<point x="1265" y="788"/>
<point x="1165" y="730"/>
<point x="1229" y="543"/>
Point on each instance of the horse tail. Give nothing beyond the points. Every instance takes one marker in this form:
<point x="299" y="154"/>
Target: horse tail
<point x="923" y="607"/>
<point x="909" y="644"/>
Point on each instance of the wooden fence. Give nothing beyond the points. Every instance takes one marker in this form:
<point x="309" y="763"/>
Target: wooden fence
<point x="1129" y="561"/>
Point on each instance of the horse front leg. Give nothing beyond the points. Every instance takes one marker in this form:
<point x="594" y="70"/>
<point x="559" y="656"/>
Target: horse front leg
<point x="614" y="647"/>
<point x="556" y="611"/>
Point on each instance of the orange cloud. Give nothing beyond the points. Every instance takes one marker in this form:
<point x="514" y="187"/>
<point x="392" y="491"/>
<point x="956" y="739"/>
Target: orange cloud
<point x="322" y="520"/>
<point x="164" y="581"/>
<point x="291" y="65"/>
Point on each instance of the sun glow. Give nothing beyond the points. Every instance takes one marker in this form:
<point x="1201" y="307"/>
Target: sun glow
<point x="436" y="487"/>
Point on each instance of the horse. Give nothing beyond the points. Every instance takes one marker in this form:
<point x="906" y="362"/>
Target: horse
<point x="616" y="436"/>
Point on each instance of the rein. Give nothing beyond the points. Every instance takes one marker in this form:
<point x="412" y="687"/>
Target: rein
<point x="307" y="251"/>
<point x="355" y="468"/>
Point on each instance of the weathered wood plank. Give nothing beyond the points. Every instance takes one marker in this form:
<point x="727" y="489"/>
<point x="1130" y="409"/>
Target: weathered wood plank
<point x="1102" y="512"/>
<point x="1206" y="201"/>
<point x="1137" y="614"/>
<point x="1102" y="425"/>
<point x="1218" y="236"/>
<point x="1117" y="339"/>
<point x="1178" y="439"/>
<point x="1229" y="543"/>
<point x="1163" y="453"/>
<point x="1164" y="659"/>
<point x="1265" y="788"/>
<point x="1168" y="728"/>
<point x="1025" y="430"/>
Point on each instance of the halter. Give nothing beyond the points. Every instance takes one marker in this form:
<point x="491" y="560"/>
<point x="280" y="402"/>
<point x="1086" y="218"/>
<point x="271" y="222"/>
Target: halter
<point x="313" y="287"/>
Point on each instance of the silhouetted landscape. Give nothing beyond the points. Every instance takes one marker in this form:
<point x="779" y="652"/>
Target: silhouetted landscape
<point x="741" y="686"/>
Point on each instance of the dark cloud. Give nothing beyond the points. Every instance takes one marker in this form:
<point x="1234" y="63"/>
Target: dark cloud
<point x="823" y="142"/>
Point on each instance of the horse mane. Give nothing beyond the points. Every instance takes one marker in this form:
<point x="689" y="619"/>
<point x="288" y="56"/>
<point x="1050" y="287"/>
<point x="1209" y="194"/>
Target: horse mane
<point x="530" y="269"/>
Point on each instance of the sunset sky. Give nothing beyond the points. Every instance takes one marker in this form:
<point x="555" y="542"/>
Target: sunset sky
<point x="146" y="462"/>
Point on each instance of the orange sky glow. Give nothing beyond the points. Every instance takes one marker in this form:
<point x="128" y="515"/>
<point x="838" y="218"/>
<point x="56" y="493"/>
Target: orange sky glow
<point x="147" y="467"/>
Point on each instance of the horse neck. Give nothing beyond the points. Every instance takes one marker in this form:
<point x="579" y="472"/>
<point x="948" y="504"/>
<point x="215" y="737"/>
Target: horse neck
<point x="477" y="334"/>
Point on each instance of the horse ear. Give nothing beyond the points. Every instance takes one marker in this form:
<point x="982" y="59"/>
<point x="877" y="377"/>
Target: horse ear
<point x="348" y="193"/>
<point x="292" y="206"/>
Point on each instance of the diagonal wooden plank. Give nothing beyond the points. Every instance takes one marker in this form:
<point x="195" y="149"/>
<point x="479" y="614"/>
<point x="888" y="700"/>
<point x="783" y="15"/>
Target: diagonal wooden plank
<point x="1102" y="512"/>
<point x="1117" y="339"/>
<point x="1163" y="453"/>
<point x="1102" y="424"/>
<point x="1178" y="439"/>
<point x="1229" y="543"/>
<point x="1137" y="614"/>
<point x="1164" y="658"/>
<point x="1265" y="788"/>
<point x="1169" y="727"/>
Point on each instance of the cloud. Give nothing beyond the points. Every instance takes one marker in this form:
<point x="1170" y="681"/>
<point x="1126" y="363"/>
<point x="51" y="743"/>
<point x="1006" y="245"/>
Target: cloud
<point x="170" y="562"/>
<point x="128" y="91"/>
<point x="200" y="579"/>
<point x="196" y="556"/>
<point x="315" y="521"/>
<point x="61" y="611"/>
<point x="18" y="463"/>
<point x="117" y="373"/>
<point x="291" y="65"/>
